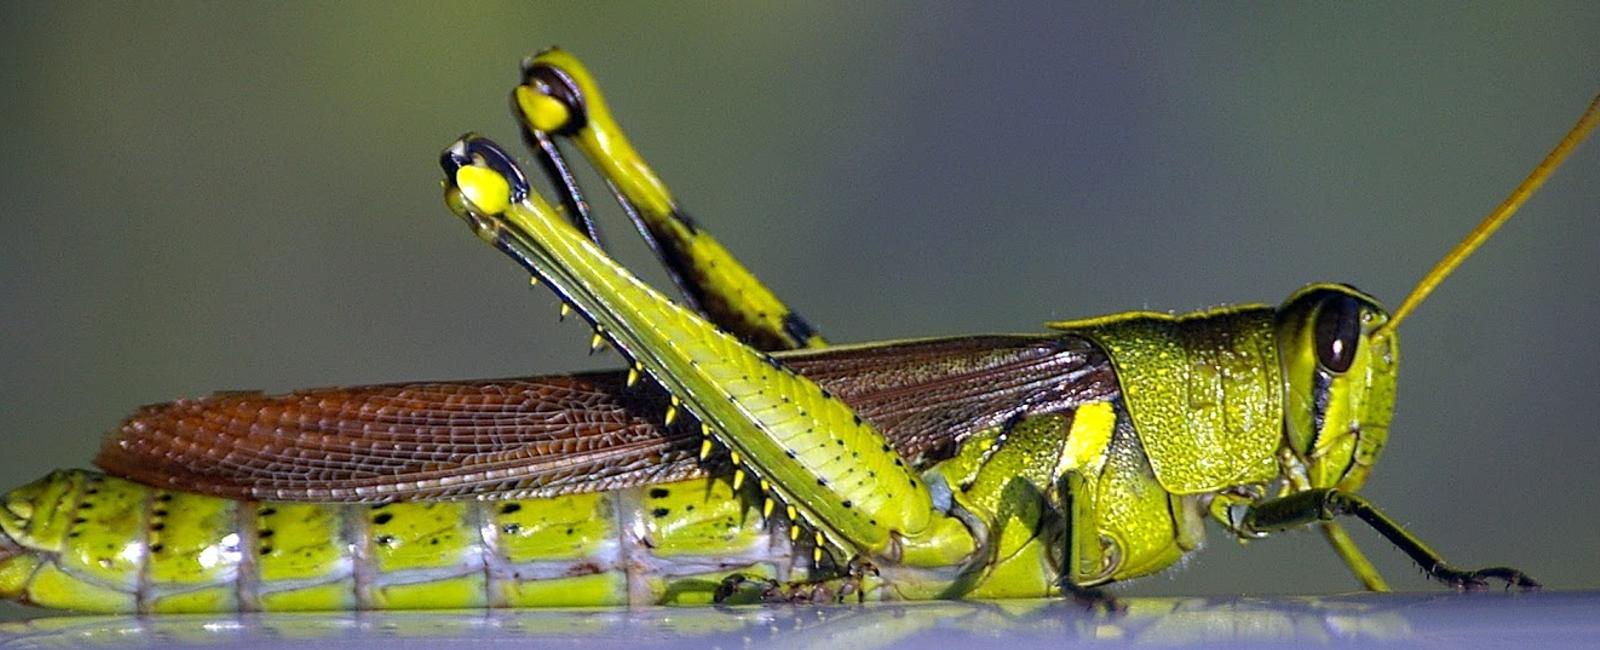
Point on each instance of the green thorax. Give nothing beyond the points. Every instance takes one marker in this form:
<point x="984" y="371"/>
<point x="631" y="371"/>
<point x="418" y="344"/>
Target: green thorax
<point x="1205" y="390"/>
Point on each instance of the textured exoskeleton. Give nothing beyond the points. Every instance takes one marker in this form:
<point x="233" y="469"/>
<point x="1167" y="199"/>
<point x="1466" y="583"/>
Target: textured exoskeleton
<point x="754" y="462"/>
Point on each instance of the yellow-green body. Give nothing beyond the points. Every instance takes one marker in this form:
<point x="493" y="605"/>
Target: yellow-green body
<point x="89" y="542"/>
<point x="1259" y="418"/>
<point x="96" y="543"/>
<point x="1060" y="499"/>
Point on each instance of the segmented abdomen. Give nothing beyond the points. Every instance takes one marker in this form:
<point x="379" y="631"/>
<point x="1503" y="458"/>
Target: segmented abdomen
<point x="100" y="543"/>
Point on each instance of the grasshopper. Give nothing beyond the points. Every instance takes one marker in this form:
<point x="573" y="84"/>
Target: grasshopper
<point x="738" y="456"/>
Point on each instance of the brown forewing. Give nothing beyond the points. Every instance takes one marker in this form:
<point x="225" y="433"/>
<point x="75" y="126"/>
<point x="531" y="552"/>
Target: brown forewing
<point x="544" y="436"/>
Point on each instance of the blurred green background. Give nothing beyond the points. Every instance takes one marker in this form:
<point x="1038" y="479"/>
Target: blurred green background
<point x="218" y="196"/>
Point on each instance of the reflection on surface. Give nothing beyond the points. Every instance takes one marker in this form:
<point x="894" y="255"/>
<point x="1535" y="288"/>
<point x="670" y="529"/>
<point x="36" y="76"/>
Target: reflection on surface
<point x="1451" y="618"/>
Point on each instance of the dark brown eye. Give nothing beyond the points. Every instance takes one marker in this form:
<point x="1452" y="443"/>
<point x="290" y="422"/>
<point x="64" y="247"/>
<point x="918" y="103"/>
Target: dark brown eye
<point x="1338" y="332"/>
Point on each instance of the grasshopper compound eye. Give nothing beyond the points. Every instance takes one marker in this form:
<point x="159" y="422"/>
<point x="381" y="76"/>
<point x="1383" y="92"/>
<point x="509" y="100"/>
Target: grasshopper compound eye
<point x="1337" y="332"/>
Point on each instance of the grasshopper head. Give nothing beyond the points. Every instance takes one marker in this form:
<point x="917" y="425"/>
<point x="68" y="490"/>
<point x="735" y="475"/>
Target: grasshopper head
<point x="1339" y="366"/>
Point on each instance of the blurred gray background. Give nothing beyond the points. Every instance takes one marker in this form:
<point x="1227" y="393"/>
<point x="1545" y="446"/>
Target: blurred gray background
<point x="209" y="196"/>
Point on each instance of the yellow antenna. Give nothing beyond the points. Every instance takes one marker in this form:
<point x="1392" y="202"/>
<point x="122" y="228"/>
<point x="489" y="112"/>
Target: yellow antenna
<point x="1498" y="217"/>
